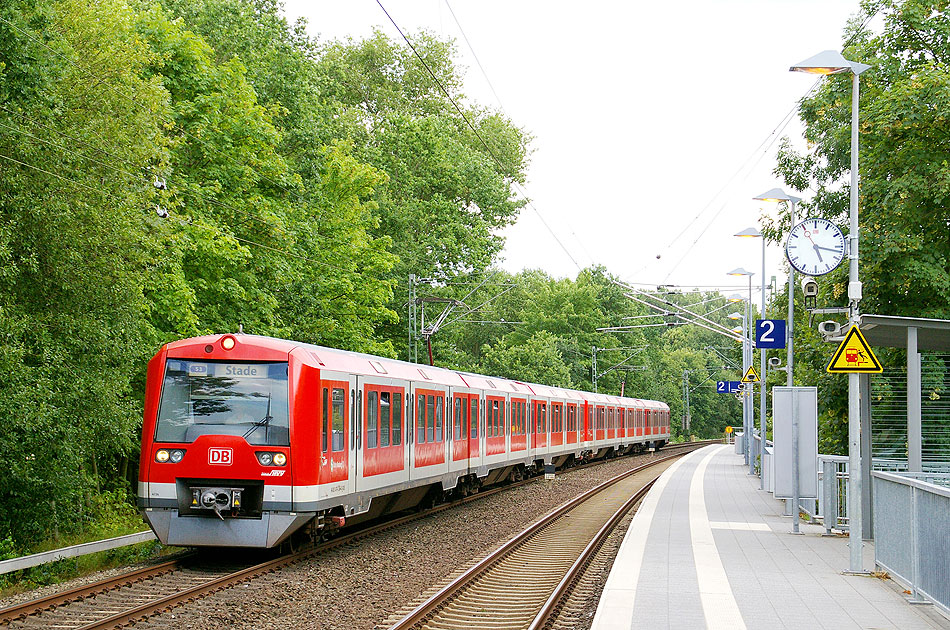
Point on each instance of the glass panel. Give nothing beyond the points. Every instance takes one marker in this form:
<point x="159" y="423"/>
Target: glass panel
<point x="372" y="419"/>
<point x="421" y="419"/>
<point x="326" y="422"/>
<point x="385" y="410"/>
<point x="430" y="424"/>
<point x="439" y="404"/>
<point x="464" y="417"/>
<point x="457" y="420"/>
<point x="338" y="442"/>
<point x="473" y="419"/>
<point x="397" y="418"/>
<point x="249" y="400"/>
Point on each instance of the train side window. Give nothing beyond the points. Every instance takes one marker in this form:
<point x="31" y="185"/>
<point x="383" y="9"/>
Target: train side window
<point x="326" y="420"/>
<point x="473" y="419"/>
<point x="439" y="404"/>
<point x="338" y="441"/>
<point x="385" y="412"/>
<point x="499" y="422"/>
<point x="457" y="420"/>
<point x="372" y="419"/>
<point x="430" y="419"/>
<point x="397" y="418"/>
<point x="421" y="420"/>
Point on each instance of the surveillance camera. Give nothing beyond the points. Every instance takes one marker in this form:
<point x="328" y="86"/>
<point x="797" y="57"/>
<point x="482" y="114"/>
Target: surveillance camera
<point x="809" y="287"/>
<point x="829" y="328"/>
<point x="774" y="362"/>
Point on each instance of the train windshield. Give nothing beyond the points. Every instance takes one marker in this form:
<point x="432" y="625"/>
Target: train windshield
<point x="214" y="398"/>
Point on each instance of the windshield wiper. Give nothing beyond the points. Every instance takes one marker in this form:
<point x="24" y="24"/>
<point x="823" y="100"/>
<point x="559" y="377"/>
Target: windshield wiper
<point x="263" y="422"/>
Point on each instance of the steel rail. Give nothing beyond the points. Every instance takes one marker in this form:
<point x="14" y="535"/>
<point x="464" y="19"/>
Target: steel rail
<point x="20" y="611"/>
<point x="565" y="585"/>
<point x="423" y="611"/>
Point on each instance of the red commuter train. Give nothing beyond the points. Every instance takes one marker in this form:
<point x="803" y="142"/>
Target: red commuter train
<point x="249" y="439"/>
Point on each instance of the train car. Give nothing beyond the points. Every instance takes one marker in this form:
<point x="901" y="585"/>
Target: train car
<point x="247" y="440"/>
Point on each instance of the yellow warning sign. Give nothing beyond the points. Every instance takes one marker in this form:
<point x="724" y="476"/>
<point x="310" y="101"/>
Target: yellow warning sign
<point x="751" y="376"/>
<point x="728" y="429"/>
<point x="854" y="355"/>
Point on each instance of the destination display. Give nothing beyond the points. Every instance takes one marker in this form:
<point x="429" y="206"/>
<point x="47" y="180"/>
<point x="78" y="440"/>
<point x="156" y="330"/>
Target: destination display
<point x="240" y="370"/>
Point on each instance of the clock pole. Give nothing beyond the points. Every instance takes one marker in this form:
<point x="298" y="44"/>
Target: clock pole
<point x="832" y="62"/>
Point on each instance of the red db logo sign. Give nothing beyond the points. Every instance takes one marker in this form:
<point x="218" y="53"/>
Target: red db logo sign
<point x="220" y="456"/>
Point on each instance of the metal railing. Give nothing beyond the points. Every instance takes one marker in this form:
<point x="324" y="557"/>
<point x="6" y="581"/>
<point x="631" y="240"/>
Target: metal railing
<point x="833" y="486"/>
<point x="912" y="532"/>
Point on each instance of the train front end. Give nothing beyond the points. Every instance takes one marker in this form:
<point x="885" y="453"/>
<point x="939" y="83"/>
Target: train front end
<point x="217" y="465"/>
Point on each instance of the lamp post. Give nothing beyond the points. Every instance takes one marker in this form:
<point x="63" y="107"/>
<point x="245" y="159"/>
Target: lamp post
<point x="748" y="362"/>
<point x="754" y="233"/>
<point x="825" y="63"/>
<point x="776" y="195"/>
<point x="740" y="332"/>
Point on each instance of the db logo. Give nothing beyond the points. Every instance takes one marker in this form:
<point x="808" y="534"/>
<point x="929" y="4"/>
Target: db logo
<point x="220" y="456"/>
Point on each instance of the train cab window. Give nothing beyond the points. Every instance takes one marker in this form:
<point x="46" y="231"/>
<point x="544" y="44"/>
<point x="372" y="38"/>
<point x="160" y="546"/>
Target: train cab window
<point x="338" y="441"/>
<point x="372" y="419"/>
<point x="325" y="433"/>
<point x="421" y="420"/>
<point x="397" y="418"/>
<point x="385" y="412"/>
<point x="243" y="399"/>
<point x="439" y="404"/>
<point x="430" y="418"/>
<point x="473" y="419"/>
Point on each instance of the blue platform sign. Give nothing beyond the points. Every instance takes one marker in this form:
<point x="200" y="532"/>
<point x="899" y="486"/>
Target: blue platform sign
<point x="769" y="333"/>
<point x="727" y="387"/>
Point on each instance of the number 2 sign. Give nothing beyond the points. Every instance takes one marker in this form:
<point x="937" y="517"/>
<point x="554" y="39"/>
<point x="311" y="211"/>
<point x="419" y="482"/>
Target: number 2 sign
<point x="770" y="333"/>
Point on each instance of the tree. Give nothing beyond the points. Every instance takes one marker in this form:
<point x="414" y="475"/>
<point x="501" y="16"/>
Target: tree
<point x="74" y="231"/>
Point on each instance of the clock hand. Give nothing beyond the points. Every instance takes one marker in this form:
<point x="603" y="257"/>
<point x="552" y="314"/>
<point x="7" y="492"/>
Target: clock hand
<point x="827" y="249"/>
<point x="820" y="259"/>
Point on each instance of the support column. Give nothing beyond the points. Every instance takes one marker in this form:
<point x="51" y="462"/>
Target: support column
<point x="914" y="441"/>
<point x="867" y="500"/>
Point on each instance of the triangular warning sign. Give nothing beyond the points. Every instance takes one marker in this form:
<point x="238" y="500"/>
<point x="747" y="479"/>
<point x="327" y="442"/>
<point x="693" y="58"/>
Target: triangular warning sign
<point x="854" y="355"/>
<point x="751" y="376"/>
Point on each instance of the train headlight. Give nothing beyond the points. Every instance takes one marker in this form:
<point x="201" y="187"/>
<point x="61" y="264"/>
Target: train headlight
<point x="266" y="459"/>
<point x="173" y="455"/>
<point x="228" y="343"/>
<point x="280" y="459"/>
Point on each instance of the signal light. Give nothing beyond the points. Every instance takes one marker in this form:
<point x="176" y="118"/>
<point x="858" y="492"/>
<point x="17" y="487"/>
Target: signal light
<point x="228" y="343"/>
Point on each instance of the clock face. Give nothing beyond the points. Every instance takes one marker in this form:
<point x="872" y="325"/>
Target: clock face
<point x="815" y="246"/>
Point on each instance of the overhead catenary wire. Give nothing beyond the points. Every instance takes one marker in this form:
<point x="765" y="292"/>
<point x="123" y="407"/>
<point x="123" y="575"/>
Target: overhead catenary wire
<point x="475" y="131"/>
<point x="198" y="193"/>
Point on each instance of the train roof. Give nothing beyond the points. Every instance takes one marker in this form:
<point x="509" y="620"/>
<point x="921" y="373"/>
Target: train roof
<point x="333" y="359"/>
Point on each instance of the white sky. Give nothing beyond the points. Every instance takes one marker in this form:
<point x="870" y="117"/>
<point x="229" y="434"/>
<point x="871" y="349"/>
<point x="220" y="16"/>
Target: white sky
<point x="642" y="112"/>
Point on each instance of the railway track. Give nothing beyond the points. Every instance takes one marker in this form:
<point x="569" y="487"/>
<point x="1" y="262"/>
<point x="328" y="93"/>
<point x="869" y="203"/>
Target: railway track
<point x="524" y="582"/>
<point x="125" y="599"/>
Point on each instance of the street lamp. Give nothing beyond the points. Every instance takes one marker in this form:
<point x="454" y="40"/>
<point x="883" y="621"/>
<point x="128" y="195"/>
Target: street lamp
<point x="754" y="233"/>
<point x="748" y="418"/>
<point x="776" y="195"/>
<point x="833" y="62"/>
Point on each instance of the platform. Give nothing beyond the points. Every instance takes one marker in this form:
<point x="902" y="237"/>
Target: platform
<point x="707" y="548"/>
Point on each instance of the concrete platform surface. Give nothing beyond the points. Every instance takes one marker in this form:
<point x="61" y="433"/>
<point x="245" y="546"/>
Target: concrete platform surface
<point x="708" y="549"/>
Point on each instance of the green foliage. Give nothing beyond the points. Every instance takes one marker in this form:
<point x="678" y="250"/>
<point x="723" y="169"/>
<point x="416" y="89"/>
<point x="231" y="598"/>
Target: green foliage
<point x="905" y="181"/>
<point x="904" y="160"/>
